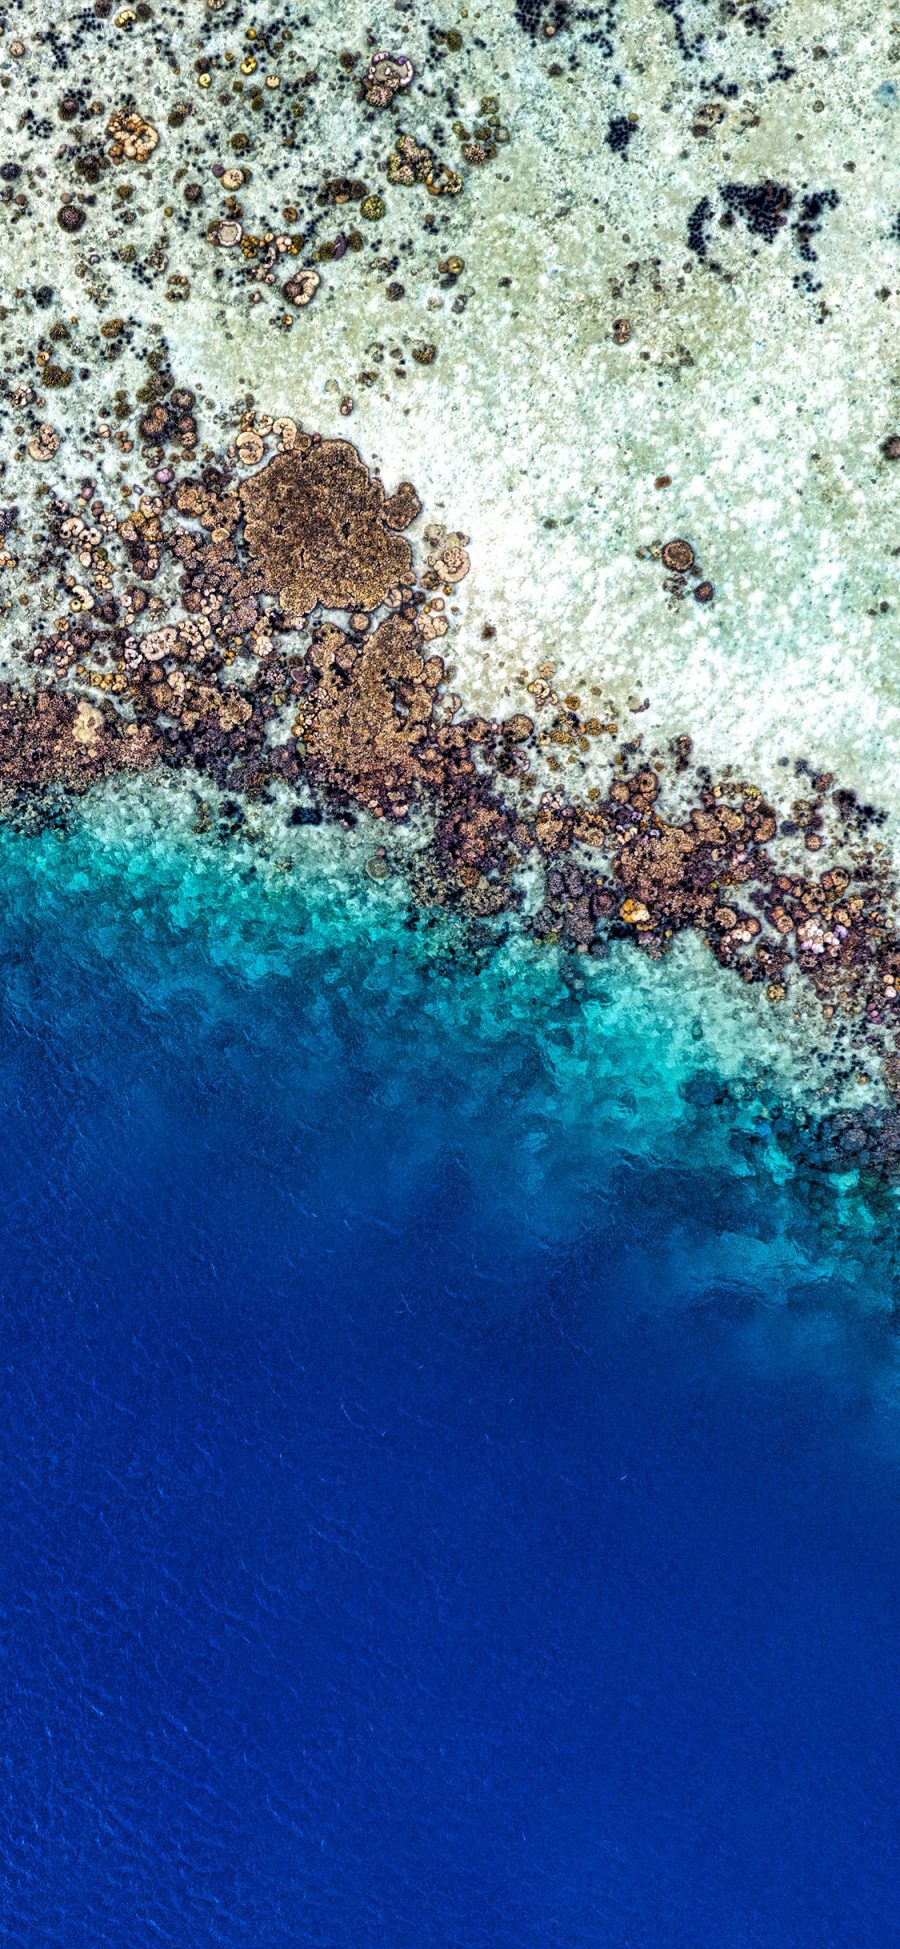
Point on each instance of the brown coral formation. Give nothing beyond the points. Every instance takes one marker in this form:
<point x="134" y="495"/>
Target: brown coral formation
<point x="47" y="738"/>
<point x="366" y="713"/>
<point x="133" y="138"/>
<point x="412" y="162"/>
<point x="385" y="76"/>
<point x="301" y="288"/>
<point x="323" y="530"/>
<point x="717" y="872"/>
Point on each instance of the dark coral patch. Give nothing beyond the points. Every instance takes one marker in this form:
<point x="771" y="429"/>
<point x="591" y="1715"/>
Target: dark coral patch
<point x="323" y="530"/>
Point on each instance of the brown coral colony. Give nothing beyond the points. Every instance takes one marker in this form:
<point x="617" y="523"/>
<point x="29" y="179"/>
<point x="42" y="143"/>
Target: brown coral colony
<point x="678" y="555"/>
<point x="324" y="532"/>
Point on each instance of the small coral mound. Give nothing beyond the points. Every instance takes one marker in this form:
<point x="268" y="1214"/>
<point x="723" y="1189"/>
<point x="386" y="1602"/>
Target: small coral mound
<point x="133" y="139"/>
<point x="302" y="287"/>
<point x="323" y="531"/>
<point x="411" y="162"/>
<point x="387" y="74"/>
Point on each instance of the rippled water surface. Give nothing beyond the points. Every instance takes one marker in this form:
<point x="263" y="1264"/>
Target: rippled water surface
<point x="414" y="1531"/>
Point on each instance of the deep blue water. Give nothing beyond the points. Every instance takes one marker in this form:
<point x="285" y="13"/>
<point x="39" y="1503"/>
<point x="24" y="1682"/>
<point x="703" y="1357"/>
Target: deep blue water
<point x="390" y="1555"/>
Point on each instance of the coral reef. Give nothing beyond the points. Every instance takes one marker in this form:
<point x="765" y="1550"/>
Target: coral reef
<point x="263" y="620"/>
<point x="323" y="530"/>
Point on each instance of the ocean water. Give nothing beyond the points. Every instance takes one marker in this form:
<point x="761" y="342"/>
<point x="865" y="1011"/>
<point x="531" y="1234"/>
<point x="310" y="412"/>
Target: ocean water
<point x="449" y="1411"/>
<point x="449" y="1452"/>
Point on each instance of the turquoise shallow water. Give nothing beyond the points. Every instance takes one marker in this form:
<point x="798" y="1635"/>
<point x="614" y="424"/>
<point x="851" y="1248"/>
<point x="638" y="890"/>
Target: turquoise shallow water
<point x="448" y="1454"/>
<point x="557" y="1079"/>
